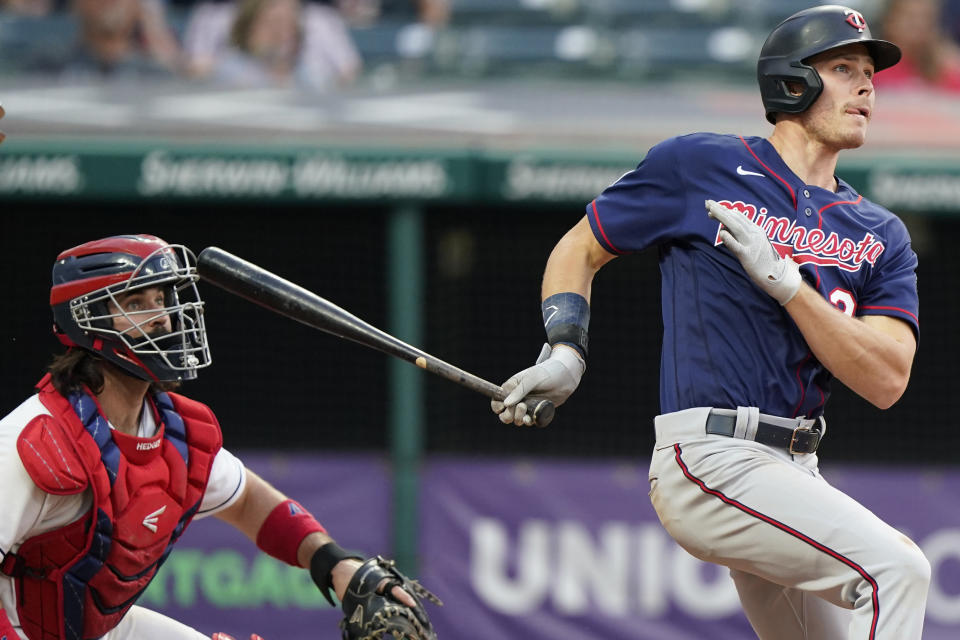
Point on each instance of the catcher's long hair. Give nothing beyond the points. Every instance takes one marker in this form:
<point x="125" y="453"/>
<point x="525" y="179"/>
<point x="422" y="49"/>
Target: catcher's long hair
<point x="77" y="368"/>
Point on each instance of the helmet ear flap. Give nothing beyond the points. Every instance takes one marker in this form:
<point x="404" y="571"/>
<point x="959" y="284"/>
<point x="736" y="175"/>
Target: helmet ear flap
<point x="775" y="86"/>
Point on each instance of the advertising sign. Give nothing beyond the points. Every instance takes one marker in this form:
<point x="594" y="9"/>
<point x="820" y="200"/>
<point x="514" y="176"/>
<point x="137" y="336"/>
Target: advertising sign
<point x="522" y="550"/>
<point x="574" y="550"/>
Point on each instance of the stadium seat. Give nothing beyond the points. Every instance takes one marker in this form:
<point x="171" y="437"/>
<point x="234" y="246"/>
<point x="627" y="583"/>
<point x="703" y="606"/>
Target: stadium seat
<point x="516" y="12"/>
<point x="28" y="42"/>
<point x="673" y="52"/>
<point x="535" y="49"/>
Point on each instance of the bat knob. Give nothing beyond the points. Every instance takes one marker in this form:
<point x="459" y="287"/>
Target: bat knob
<point x="542" y="411"/>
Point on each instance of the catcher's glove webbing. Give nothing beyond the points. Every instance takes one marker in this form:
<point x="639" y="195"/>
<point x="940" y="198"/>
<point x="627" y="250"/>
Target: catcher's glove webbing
<point x="373" y="614"/>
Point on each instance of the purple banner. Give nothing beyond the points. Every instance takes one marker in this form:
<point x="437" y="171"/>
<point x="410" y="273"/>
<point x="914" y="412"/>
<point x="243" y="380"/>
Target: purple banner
<point x="545" y="550"/>
<point x="531" y="550"/>
<point x="217" y="580"/>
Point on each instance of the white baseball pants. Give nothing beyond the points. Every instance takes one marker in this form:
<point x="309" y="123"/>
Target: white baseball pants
<point x="809" y="562"/>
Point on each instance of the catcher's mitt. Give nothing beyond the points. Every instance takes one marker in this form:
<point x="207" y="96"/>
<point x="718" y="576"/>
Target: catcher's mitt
<point x="375" y="614"/>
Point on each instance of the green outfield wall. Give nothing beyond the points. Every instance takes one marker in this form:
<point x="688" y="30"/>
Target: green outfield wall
<point x="144" y="170"/>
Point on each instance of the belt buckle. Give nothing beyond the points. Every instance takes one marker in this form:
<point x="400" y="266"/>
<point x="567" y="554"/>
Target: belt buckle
<point x="793" y="440"/>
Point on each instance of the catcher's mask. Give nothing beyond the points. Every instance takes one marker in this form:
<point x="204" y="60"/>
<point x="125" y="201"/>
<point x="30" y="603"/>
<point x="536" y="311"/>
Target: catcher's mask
<point x="89" y="282"/>
<point x="784" y="55"/>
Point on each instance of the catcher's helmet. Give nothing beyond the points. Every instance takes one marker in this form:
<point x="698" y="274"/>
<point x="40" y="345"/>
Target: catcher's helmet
<point x="803" y="35"/>
<point x="87" y="281"/>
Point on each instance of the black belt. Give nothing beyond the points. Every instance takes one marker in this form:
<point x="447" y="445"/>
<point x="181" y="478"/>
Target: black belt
<point x="796" y="440"/>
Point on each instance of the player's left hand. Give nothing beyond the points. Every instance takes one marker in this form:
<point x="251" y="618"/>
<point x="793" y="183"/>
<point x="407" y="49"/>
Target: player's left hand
<point x="382" y="602"/>
<point x="555" y="377"/>
<point x="777" y="275"/>
<point x="222" y="636"/>
<point x="2" y="134"/>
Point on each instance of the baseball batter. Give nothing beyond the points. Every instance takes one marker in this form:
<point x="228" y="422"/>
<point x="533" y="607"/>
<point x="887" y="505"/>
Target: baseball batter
<point x="104" y="467"/>
<point x="777" y="277"/>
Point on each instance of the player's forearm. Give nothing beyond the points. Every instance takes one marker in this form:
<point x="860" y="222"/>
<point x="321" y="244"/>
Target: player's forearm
<point x="258" y="501"/>
<point x="574" y="262"/>
<point x="874" y="364"/>
<point x="250" y="510"/>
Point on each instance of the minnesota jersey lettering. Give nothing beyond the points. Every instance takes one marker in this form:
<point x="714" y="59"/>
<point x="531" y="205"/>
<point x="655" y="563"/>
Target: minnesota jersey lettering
<point x="813" y="246"/>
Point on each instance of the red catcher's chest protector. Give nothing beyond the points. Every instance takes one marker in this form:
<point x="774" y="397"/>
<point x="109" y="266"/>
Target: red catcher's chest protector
<point x="77" y="582"/>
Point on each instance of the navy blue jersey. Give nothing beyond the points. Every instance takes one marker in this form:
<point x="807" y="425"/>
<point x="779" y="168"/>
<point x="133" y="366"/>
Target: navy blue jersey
<point x="726" y="342"/>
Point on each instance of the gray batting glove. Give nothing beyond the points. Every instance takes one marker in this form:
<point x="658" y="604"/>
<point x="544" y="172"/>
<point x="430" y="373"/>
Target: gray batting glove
<point x="555" y="376"/>
<point x="778" y="276"/>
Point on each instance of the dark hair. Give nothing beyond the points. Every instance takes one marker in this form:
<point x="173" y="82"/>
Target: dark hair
<point x="78" y="368"/>
<point x="247" y="14"/>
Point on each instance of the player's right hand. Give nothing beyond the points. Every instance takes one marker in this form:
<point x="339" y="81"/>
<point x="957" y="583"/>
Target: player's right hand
<point x="555" y="376"/>
<point x="778" y="275"/>
<point x="2" y="134"/>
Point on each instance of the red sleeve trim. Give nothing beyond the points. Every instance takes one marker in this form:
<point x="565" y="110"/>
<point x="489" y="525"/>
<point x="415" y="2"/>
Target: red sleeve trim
<point x="904" y="311"/>
<point x="596" y="218"/>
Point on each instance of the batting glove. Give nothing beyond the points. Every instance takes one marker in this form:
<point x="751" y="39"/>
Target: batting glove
<point x="555" y="376"/>
<point x="778" y="276"/>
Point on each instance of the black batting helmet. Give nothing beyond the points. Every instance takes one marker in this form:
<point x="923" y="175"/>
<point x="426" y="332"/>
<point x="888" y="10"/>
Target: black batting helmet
<point x="803" y="35"/>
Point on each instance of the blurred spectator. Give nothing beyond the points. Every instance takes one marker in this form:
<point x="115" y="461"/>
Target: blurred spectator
<point x="32" y="8"/>
<point x="931" y="59"/>
<point x="434" y="13"/>
<point x="262" y="43"/>
<point x="206" y="36"/>
<point x="116" y="39"/>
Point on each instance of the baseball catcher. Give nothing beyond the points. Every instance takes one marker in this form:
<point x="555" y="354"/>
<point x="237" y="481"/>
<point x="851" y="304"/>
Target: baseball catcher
<point x="106" y="465"/>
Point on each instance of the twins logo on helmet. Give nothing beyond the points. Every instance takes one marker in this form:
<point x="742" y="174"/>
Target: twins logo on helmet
<point x="855" y="18"/>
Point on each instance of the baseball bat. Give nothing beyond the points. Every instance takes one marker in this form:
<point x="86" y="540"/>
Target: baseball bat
<point x="260" y="286"/>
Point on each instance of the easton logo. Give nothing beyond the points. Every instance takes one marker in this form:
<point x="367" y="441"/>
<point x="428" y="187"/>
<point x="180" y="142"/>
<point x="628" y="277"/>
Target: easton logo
<point x="855" y="19"/>
<point x="150" y="522"/>
<point x="809" y="246"/>
<point x="147" y="446"/>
